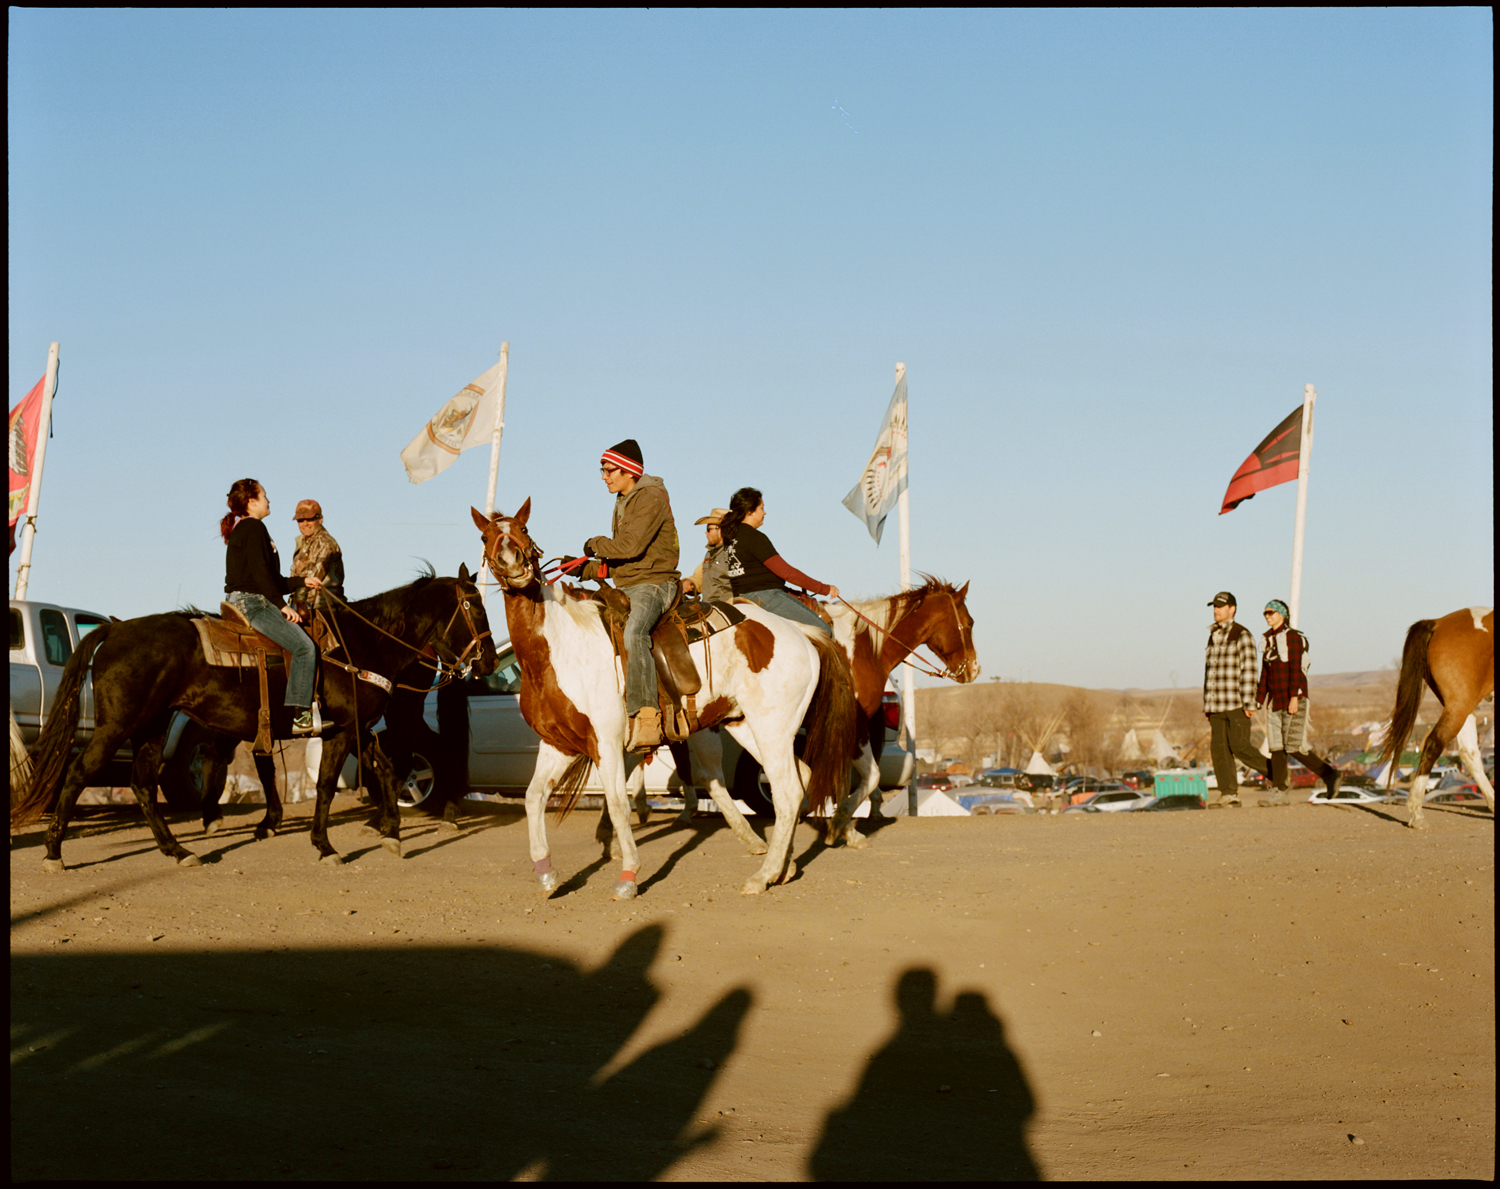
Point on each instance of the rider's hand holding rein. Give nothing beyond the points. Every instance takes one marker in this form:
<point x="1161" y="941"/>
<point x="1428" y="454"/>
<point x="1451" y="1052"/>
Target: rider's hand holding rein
<point x="289" y="611"/>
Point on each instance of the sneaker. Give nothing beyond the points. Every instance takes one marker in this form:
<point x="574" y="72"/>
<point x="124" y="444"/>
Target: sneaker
<point x="1277" y="797"/>
<point x="645" y="730"/>
<point x="308" y="722"/>
<point x="1231" y="799"/>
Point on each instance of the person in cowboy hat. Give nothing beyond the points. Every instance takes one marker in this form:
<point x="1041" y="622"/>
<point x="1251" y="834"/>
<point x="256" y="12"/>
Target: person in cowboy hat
<point x="1229" y="673"/>
<point x="711" y="578"/>
<point x="640" y="555"/>
<point x="316" y="555"/>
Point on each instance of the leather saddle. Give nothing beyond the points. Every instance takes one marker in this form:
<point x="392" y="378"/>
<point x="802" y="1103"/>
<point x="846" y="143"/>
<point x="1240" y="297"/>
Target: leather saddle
<point x="230" y="642"/>
<point x="687" y="620"/>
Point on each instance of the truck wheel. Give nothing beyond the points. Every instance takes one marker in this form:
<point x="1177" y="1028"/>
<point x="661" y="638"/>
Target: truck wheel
<point x="751" y="786"/>
<point x="418" y="783"/>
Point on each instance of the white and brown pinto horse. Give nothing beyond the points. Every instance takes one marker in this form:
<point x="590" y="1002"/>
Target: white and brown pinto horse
<point x="761" y="679"/>
<point x="876" y="636"/>
<point x="1455" y="657"/>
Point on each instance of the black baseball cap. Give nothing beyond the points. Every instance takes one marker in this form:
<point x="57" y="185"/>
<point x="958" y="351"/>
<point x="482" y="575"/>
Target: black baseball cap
<point x="1224" y="599"/>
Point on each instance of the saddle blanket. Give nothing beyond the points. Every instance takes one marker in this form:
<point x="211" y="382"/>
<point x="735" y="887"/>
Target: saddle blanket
<point x="232" y="643"/>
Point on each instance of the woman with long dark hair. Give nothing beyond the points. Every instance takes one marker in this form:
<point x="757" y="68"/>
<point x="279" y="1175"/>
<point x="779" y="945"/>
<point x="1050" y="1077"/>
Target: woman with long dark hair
<point x="757" y="572"/>
<point x="253" y="585"/>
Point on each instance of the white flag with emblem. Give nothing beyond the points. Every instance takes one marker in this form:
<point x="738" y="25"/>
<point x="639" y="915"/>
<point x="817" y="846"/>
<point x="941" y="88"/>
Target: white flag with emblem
<point x="466" y="421"/>
<point x="885" y="474"/>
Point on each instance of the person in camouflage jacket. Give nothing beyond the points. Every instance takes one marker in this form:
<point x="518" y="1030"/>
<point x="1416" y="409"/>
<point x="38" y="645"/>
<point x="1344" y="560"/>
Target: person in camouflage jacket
<point x="316" y="555"/>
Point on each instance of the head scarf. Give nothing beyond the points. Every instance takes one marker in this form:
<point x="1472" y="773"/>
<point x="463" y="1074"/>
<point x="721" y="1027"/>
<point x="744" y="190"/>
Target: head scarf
<point x="1278" y="606"/>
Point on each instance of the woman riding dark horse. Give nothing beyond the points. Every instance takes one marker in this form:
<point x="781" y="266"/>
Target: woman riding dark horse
<point x="145" y="668"/>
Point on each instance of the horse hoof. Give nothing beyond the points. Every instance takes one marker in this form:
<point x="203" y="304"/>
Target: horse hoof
<point x="368" y="831"/>
<point x="213" y="827"/>
<point x="683" y="819"/>
<point x="334" y="860"/>
<point x="53" y="865"/>
<point x="548" y="882"/>
<point x="1419" y="823"/>
<point x="753" y="887"/>
<point x="393" y="845"/>
<point x="262" y="833"/>
<point x="190" y="861"/>
<point x="857" y="840"/>
<point x="451" y="827"/>
<point x="757" y="848"/>
<point x="625" y="889"/>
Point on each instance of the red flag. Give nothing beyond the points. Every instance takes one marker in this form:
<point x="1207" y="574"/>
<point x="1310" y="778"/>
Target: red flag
<point x="1275" y="461"/>
<point x="24" y="420"/>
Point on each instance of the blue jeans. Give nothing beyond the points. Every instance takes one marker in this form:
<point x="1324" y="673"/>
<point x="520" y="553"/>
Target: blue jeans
<point x="266" y="618"/>
<point x="779" y="602"/>
<point x="647" y="602"/>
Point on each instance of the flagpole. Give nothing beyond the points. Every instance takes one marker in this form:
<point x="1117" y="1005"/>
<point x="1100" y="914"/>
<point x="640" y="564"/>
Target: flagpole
<point x="489" y="498"/>
<point x="33" y="496"/>
<point x="1309" y="398"/>
<point x="903" y="511"/>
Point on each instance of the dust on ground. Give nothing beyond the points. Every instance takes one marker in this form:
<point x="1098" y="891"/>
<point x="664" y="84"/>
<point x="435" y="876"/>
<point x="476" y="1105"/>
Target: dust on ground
<point x="1252" y="993"/>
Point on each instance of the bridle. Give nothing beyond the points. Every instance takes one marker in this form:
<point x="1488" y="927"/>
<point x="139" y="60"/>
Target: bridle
<point x="529" y="550"/>
<point x="959" y="672"/>
<point x="458" y="665"/>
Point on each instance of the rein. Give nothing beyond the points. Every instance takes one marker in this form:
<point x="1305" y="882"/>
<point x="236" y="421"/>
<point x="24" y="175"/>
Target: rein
<point x="476" y="641"/>
<point x="911" y="658"/>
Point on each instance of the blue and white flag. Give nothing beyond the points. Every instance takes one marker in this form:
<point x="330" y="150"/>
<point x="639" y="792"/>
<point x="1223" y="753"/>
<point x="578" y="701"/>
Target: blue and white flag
<point x="885" y="474"/>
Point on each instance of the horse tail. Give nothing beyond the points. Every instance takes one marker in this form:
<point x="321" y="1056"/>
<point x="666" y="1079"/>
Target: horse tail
<point x="832" y="730"/>
<point x="55" y="746"/>
<point x="571" y="785"/>
<point x="1408" y="689"/>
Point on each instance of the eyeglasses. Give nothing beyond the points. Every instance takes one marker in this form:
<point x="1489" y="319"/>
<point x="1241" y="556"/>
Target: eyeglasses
<point x="608" y="470"/>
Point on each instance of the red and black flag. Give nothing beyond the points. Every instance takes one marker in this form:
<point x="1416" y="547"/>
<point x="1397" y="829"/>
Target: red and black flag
<point x="1275" y="461"/>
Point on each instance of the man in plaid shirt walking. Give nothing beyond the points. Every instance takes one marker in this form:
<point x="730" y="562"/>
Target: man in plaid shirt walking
<point x="1229" y="681"/>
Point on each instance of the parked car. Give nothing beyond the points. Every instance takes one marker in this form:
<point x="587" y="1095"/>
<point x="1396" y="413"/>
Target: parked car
<point x="1463" y="794"/>
<point x="982" y="804"/>
<point x="1175" y="801"/>
<point x="997" y="780"/>
<point x="1081" y="788"/>
<point x="940" y="781"/>
<point x="1353" y="794"/>
<point x="502" y="748"/>
<point x="1298" y="776"/>
<point x="1139" y="778"/>
<point x="1035" y="782"/>
<point x="42" y="639"/>
<point x="1119" y="799"/>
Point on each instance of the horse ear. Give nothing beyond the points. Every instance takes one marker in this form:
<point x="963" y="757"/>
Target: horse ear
<point x="962" y="592"/>
<point x="463" y="572"/>
<point x="480" y="519"/>
<point x="524" y="514"/>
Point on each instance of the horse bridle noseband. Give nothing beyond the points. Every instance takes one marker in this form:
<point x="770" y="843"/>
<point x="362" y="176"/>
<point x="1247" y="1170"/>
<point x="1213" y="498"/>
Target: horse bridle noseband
<point x="529" y="550"/>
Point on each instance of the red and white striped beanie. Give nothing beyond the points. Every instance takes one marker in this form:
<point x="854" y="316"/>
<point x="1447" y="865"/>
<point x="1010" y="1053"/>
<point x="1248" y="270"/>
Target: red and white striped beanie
<point x="626" y="455"/>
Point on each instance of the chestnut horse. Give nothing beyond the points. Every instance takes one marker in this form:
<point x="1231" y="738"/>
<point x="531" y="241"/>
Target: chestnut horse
<point x="1455" y="657"/>
<point x="876" y="636"/>
<point x="761" y="678"/>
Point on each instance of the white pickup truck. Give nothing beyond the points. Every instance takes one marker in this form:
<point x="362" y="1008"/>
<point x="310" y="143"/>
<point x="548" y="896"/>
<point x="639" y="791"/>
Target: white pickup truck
<point x="42" y="638"/>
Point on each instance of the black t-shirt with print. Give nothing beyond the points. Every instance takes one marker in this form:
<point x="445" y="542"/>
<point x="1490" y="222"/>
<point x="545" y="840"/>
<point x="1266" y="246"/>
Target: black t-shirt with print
<point x="747" y="555"/>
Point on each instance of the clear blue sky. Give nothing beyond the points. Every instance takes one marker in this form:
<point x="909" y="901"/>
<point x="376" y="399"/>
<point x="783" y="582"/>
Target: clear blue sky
<point x="1111" y="247"/>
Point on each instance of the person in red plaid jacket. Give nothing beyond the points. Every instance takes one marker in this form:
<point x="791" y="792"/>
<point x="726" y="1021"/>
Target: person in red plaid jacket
<point x="1229" y="697"/>
<point x="1283" y="692"/>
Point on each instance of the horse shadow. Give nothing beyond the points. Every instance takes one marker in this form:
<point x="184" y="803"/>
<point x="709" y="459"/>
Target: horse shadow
<point x="359" y="1063"/>
<point x="943" y="1099"/>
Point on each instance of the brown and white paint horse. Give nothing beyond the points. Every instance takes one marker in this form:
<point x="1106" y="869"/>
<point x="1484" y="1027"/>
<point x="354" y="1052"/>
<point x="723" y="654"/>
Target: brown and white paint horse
<point x="876" y="636"/>
<point x="761" y="679"/>
<point x="1455" y="656"/>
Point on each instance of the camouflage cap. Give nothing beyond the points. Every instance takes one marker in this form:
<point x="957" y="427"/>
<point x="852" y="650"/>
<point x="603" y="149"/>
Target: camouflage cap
<point x="308" y="510"/>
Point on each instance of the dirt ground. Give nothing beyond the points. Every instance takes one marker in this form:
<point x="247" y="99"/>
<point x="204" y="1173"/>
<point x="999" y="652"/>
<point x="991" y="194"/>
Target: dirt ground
<point x="1253" y="993"/>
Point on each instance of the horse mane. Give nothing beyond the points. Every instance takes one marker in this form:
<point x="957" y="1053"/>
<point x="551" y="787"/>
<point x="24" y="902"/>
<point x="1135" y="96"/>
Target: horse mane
<point x="388" y="609"/>
<point x="901" y="604"/>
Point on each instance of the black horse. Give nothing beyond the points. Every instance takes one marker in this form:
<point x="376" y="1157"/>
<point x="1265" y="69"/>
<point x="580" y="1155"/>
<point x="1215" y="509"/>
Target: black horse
<point x="146" y="668"/>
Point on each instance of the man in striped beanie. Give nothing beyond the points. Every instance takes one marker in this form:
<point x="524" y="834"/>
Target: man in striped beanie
<point x="640" y="554"/>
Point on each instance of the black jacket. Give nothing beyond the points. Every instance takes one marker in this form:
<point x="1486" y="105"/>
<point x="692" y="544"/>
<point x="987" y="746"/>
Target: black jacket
<point x="252" y="564"/>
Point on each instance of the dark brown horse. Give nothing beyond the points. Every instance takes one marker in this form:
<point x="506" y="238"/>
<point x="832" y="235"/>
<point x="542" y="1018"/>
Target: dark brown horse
<point x="145" y="668"/>
<point x="1455" y="657"/>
